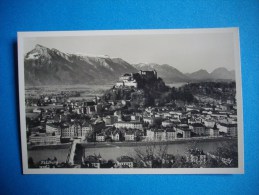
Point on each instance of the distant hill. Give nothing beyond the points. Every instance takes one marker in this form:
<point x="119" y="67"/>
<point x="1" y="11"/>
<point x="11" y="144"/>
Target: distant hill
<point x="171" y="75"/>
<point x="44" y="66"/>
<point x="216" y="75"/>
<point x="199" y="75"/>
<point x="222" y="74"/>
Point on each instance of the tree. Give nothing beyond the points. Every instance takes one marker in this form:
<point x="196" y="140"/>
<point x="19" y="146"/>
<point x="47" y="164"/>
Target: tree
<point x="226" y="155"/>
<point x="154" y="152"/>
<point x="110" y="163"/>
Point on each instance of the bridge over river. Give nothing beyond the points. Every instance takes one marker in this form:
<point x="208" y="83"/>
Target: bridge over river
<point x="76" y="153"/>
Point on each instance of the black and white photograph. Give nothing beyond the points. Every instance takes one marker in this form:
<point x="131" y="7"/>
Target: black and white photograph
<point x="131" y="102"/>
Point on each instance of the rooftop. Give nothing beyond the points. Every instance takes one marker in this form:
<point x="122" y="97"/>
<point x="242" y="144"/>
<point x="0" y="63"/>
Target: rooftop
<point x="197" y="125"/>
<point x="125" y="159"/>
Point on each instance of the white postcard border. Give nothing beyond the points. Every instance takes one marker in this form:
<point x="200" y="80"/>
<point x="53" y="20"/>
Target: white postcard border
<point x="26" y="170"/>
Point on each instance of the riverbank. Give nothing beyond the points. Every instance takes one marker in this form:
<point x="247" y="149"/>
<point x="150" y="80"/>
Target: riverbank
<point x="143" y="143"/>
<point x="42" y="147"/>
<point x="132" y="144"/>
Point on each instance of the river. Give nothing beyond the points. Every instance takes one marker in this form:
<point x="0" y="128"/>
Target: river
<point x="114" y="152"/>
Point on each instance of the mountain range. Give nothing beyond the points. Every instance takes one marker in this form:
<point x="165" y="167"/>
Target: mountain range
<point x="44" y="66"/>
<point x="170" y="74"/>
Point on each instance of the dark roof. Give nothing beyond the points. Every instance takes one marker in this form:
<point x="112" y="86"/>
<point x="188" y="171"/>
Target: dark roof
<point x="100" y="134"/>
<point x="125" y="159"/>
<point x="183" y="128"/>
<point x="170" y="130"/>
<point x="215" y="127"/>
<point x="167" y="121"/>
<point x="98" y="120"/>
<point x="130" y="122"/>
<point x="194" y="111"/>
<point x="228" y="125"/>
<point x="90" y="103"/>
<point x="86" y="124"/>
<point x="64" y="125"/>
<point x="158" y="130"/>
<point x="53" y="125"/>
<point x="197" y="125"/>
<point x="129" y="132"/>
<point x="115" y="132"/>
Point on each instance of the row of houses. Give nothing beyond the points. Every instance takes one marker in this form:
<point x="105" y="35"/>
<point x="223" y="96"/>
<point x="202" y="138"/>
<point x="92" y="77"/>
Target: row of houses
<point x="188" y="131"/>
<point x="119" y="134"/>
<point x="56" y="132"/>
<point x="94" y="161"/>
<point x="44" y="139"/>
<point x="170" y="124"/>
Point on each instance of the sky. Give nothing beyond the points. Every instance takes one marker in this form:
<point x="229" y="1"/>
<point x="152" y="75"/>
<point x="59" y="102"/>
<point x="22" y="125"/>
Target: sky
<point x="188" y="52"/>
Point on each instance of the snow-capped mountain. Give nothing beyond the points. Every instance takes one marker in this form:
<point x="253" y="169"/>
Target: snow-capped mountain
<point x="44" y="66"/>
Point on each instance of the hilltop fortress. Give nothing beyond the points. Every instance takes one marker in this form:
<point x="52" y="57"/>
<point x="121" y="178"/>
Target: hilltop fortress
<point x="130" y="80"/>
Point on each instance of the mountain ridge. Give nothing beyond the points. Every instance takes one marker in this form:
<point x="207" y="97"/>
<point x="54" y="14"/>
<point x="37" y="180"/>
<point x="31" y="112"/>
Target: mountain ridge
<point x="45" y="66"/>
<point x="170" y="74"/>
